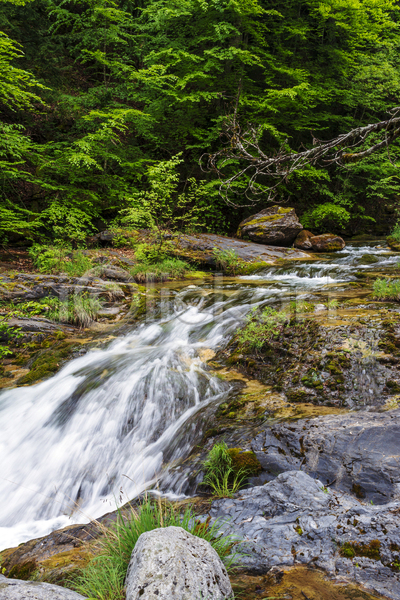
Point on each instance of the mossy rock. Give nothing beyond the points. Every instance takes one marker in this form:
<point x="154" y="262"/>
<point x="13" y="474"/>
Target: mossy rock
<point x="245" y="462"/>
<point x="368" y="259"/>
<point x="23" y="570"/>
<point x="48" y="362"/>
<point x="371" y="550"/>
<point x="393" y="244"/>
<point x="298" y="395"/>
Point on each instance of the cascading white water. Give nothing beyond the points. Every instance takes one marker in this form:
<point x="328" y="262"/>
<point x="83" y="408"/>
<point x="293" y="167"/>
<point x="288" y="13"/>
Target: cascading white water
<point x="69" y="444"/>
<point x="109" y="419"/>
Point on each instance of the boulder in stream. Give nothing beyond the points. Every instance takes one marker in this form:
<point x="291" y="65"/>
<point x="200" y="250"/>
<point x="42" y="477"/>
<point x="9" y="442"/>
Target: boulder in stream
<point x="16" y="589"/>
<point x="355" y="452"/>
<point x="393" y="243"/>
<point x="302" y="241"/>
<point x="276" y="225"/>
<point x="296" y="520"/>
<point x="170" y="563"/>
<point x="327" y="242"/>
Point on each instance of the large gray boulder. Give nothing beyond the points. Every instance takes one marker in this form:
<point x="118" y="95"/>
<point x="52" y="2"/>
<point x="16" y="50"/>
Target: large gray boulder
<point x="295" y="520"/>
<point x="354" y="452"/>
<point x="16" y="589"/>
<point x="276" y="225"/>
<point x="170" y="563"/>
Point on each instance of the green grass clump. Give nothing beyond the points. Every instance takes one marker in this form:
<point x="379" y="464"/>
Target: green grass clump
<point x="224" y="473"/>
<point x="228" y="261"/>
<point x="103" y="578"/>
<point x="161" y="270"/>
<point x="386" y="289"/>
<point x="260" y="327"/>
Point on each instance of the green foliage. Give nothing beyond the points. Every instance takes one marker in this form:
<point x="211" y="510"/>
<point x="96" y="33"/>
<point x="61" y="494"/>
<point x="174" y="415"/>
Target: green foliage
<point x="103" y="578"/>
<point x="220" y="474"/>
<point x="261" y="327"/>
<point x="387" y="289"/>
<point x="124" y="99"/>
<point x="326" y="217"/>
<point x="161" y="206"/>
<point x="5" y="351"/>
<point x="56" y="259"/>
<point x="395" y="234"/>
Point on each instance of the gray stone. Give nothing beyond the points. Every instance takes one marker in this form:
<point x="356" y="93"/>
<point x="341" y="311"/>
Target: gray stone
<point x="275" y="225"/>
<point x="170" y="563"/>
<point x="16" y="589"/>
<point x="354" y="452"/>
<point x="294" y="519"/>
<point x="202" y="246"/>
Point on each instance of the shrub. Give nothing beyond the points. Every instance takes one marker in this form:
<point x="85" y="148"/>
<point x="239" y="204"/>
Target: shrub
<point x="103" y="578"/>
<point x="386" y="289"/>
<point x="222" y="472"/>
<point x="325" y="217"/>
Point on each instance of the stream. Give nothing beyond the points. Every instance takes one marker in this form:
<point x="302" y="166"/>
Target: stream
<point x="110" y="422"/>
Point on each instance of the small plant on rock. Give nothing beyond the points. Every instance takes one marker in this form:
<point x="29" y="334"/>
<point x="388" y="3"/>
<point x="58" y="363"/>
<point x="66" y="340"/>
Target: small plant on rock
<point x="227" y="260"/>
<point x="260" y="327"/>
<point x="220" y="473"/>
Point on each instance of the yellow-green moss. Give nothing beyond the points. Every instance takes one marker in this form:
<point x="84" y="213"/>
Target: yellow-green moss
<point x="371" y="550"/>
<point x="48" y="362"/>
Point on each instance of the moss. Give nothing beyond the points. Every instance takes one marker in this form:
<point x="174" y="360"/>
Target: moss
<point x="298" y="530"/>
<point x="245" y="461"/>
<point x="23" y="570"/>
<point x="249" y="268"/>
<point x="297" y="395"/>
<point x="47" y="363"/>
<point x="371" y="550"/>
<point x="394" y="386"/>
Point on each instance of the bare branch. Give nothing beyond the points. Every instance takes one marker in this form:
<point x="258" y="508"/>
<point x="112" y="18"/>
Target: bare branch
<point x="243" y="148"/>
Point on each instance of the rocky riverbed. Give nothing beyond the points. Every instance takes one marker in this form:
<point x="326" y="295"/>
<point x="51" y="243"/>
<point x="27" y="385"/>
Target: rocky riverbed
<point x="317" y="408"/>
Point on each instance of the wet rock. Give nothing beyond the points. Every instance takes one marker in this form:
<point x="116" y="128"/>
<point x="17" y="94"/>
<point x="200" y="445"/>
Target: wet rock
<point x="201" y="247"/>
<point x="358" y="453"/>
<point x="327" y="243"/>
<point x="368" y="259"/>
<point x="296" y="520"/>
<point x="36" y="324"/>
<point x="115" y="273"/>
<point x="170" y="563"/>
<point x="15" y="589"/>
<point x="302" y="241"/>
<point x="277" y="226"/>
<point x="393" y="244"/>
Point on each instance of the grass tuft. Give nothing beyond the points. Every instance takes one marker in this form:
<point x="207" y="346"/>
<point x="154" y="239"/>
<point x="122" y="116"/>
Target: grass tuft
<point x="386" y="289"/>
<point x="104" y="577"/>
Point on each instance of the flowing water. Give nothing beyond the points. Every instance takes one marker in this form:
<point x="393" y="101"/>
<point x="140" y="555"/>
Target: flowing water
<point x="107" y="424"/>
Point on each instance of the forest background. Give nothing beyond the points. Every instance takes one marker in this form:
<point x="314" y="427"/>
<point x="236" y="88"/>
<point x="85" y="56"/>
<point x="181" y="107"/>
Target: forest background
<point x="107" y="107"/>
